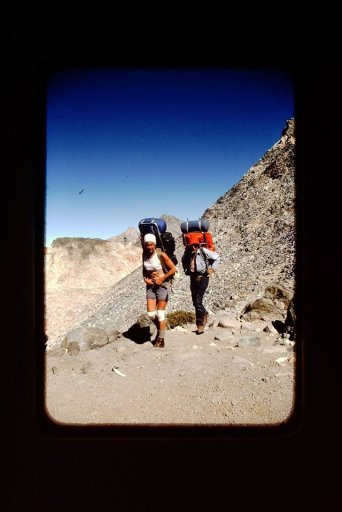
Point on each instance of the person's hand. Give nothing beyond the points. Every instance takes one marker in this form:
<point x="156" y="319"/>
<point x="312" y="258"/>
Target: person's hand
<point x="158" y="280"/>
<point x="210" y="271"/>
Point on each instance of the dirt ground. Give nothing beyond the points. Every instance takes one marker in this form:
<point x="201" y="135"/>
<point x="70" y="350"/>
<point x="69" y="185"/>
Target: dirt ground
<point x="193" y="380"/>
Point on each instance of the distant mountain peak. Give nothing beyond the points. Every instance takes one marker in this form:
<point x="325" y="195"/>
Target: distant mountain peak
<point x="129" y="236"/>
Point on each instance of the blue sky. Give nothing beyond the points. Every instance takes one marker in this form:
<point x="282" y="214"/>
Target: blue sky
<point x="146" y="142"/>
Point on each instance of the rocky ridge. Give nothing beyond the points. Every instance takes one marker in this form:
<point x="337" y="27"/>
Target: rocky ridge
<point x="253" y="225"/>
<point x="80" y="270"/>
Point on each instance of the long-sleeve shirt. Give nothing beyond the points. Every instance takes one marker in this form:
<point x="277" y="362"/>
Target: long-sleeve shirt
<point x="200" y="266"/>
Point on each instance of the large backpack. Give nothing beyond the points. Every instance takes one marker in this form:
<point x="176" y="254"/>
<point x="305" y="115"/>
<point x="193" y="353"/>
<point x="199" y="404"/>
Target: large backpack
<point x="164" y="239"/>
<point x="197" y="232"/>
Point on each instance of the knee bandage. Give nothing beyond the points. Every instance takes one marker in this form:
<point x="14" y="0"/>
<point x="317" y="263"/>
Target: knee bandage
<point x="160" y="315"/>
<point x="152" y="314"/>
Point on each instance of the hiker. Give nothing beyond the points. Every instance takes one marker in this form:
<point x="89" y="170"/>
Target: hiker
<point x="199" y="263"/>
<point x="158" y="270"/>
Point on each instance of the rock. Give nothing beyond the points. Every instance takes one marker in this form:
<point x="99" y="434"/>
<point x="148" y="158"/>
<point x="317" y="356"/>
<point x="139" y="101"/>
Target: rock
<point x="246" y="341"/>
<point x="270" y="329"/>
<point x="226" y="337"/>
<point x="262" y="309"/>
<point x="290" y="320"/>
<point x="228" y="322"/>
<point x="73" y="348"/>
<point x="113" y="336"/>
<point x="86" y="338"/>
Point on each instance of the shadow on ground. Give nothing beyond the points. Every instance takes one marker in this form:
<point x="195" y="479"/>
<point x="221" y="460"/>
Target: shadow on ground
<point x="138" y="334"/>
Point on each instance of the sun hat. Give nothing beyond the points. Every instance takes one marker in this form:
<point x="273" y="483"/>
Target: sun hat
<point x="150" y="238"/>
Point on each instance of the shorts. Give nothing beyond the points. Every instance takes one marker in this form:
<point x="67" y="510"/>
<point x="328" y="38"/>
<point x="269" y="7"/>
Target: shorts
<point x="158" y="292"/>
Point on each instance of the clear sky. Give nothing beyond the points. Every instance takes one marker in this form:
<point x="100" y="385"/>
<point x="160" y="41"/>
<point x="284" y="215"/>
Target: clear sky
<point x="124" y="144"/>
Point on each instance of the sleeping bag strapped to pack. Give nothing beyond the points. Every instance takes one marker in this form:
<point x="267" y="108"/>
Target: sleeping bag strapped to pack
<point x="197" y="232"/>
<point x="195" y="225"/>
<point x="165" y="239"/>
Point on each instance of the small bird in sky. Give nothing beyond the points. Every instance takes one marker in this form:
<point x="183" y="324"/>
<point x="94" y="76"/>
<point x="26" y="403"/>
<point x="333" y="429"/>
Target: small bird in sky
<point x="80" y="192"/>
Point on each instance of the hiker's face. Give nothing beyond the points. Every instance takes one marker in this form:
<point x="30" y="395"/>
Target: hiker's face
<point x="150" y="247"/>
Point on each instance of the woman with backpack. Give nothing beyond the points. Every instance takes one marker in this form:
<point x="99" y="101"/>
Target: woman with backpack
<point x="158" y="270"/>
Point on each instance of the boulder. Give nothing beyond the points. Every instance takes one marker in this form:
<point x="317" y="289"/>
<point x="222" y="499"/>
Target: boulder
<point x="86" y="338"/>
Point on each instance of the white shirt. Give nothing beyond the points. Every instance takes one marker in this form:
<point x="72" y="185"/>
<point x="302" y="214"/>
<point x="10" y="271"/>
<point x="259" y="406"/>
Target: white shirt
<point x="153" y="264"/>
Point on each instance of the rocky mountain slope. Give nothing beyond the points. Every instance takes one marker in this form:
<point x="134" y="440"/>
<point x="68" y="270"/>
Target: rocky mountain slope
<point x="253" y="225"/>
<point x="79" y="270"/>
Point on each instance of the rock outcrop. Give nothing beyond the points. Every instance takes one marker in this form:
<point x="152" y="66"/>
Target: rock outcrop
<point x="79" y="270"/>
<point x="254" y="224"/>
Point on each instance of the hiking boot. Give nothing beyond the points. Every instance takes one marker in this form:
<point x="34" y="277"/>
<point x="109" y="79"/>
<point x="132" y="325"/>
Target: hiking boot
<point x="159" y="342"/>
<point x="200" y="329"/>
<point x="155" y="339"/>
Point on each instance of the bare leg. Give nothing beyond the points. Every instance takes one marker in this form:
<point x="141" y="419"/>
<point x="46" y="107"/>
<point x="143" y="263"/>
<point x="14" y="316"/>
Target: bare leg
<point x="152" y="306"/>
<point x="161" y="305"/>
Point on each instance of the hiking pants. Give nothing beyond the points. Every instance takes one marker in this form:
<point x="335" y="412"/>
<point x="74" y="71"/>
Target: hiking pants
<point x="198" y="285"/>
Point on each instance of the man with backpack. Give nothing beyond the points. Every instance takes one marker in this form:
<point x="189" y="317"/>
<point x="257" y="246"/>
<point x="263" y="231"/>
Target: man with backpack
<point x="199" y="263"/>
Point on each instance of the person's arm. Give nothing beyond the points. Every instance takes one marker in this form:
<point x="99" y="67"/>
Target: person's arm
<point x="185" y="260"/>
<point x="171" y="267"/>
<point x="214" y="259"/>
